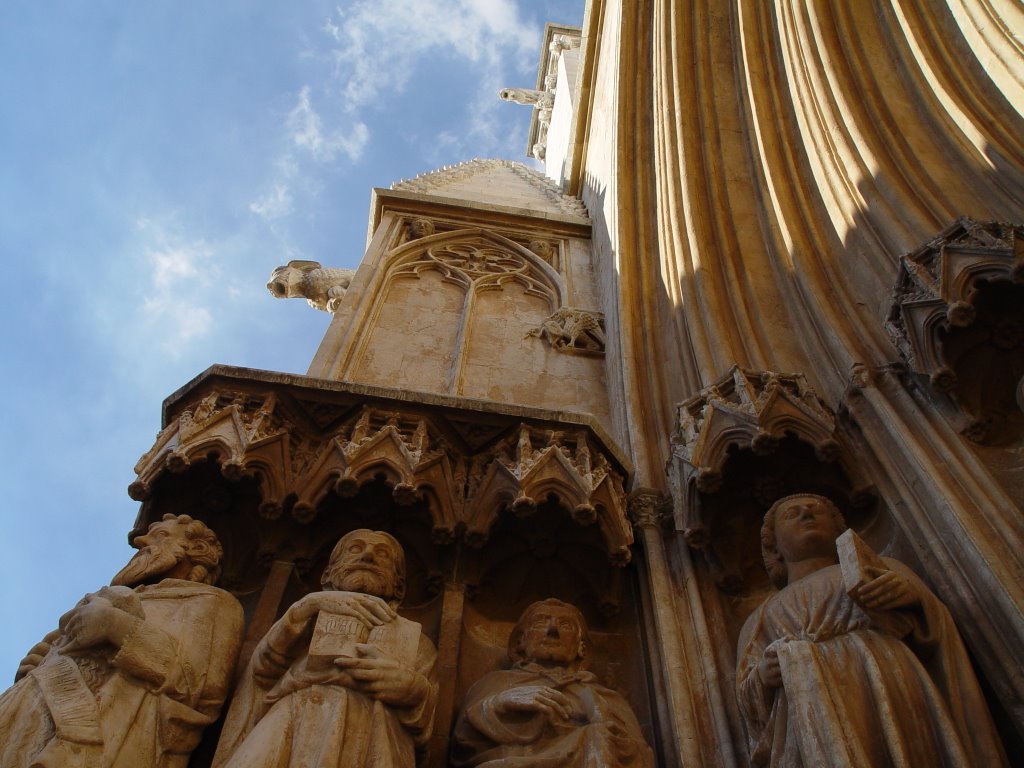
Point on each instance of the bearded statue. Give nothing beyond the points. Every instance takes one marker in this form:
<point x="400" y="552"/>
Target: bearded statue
<point x="135" y="671"/>
<point x="341" y="680"/>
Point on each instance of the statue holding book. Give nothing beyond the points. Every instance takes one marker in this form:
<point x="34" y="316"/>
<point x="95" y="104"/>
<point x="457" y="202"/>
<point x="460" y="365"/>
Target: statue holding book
<point x="854" y="661"/>
<point x="341" y="679"/>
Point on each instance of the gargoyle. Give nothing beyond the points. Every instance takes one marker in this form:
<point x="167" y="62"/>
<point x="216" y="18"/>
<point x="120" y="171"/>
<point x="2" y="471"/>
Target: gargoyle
<point x="322" y="287"/>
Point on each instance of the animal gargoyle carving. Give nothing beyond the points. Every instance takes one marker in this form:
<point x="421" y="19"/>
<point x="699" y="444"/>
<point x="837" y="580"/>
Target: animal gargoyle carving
<point x="576" y="330"/>
<point x="322" y="287"/>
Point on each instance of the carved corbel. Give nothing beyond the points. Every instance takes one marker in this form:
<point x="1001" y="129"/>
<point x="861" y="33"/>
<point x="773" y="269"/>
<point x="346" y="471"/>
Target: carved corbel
<point x="957" y="319"/>
<point x="419" y="228"/>
<point x="649" y="509"/>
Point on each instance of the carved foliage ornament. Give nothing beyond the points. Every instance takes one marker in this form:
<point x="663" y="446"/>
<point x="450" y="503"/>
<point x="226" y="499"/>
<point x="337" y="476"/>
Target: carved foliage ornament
<point x="957" y="317"/>
<point x="254" y="434"/>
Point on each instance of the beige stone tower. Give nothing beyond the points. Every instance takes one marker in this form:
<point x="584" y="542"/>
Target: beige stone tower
<point x="777" y="248"/>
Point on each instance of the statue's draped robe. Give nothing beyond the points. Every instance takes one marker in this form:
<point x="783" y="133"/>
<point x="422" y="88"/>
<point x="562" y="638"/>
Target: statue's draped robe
<point x="305" y="716"/>
<point x="602" y="730"/>
<point x="147" y="706"/>
<point x="895" y="688"/>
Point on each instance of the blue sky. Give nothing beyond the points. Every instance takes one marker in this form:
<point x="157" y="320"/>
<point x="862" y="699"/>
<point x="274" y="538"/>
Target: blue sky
<point x="159" y="160"/>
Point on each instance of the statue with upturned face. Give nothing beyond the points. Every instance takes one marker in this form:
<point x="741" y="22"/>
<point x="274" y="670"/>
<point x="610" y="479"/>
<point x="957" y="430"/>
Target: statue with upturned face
<point x="136" y="670"/>
<point x="341" y="680"/>
<point x="547" y="710"/>
<point x="868" y="674"/>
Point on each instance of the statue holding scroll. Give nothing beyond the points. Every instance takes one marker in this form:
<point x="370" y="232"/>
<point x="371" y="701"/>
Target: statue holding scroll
<point x="135" y="671"/>
<point x="547" y="710"/>
<point x="340" y="680"/>
<point x="854" y="662"/>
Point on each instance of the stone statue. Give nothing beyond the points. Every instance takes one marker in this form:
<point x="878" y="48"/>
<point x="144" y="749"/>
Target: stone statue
<point x="527" y="96"/>
<point x="868" y="674"/>
<point x="135" y="671"/>
<point x="546" y="710"/>
<point x="340" y="680"/>
<point x="322" y="287"/>
<point x="569" y="328"/>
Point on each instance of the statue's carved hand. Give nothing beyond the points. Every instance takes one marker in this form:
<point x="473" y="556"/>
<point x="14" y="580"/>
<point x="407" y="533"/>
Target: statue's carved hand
<point x="769" y="669"/>
<point x="93" y="623"/>
<point x="534" y="698"/>
<point x="37" y="653"/>
<point x="371" y="610"/>
<point x="887" y="590"/>
<point x="380" y="675"/>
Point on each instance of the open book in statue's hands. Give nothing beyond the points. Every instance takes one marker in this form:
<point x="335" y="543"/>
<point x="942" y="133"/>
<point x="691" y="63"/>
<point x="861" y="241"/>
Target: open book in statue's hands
<point x="336" y="636"/>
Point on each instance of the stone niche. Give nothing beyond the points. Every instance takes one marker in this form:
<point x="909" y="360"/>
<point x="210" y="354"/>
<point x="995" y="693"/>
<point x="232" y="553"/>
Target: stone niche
<point x="496" y="507"/>
<point x="741" y="444"/>
<point x="957" y="319"/>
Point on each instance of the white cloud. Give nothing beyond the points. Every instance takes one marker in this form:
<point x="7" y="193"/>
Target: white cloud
<point x="274" y="204"/>
<point x="307" y="133"/>
<point x="366" y="54"/>
<point x="380" y="42"/>
<point x="181" y="272"/>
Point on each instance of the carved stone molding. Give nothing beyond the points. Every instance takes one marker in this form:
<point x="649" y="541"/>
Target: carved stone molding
<point x="468" y="470"/>
<point x="957" y="319"/>
<point x="573" y="331"/>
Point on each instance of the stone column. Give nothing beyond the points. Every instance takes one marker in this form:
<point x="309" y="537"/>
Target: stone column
<point x="701" y="734"/>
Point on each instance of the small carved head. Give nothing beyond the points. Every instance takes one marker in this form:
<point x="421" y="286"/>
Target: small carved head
<point x="803" y="524"/>
<point x="552" y="633"/>
<point x="178" y="547"/>
<point x="421" y="227"/>
<point x="285" y="282"/>
<point x="372" y="562"/>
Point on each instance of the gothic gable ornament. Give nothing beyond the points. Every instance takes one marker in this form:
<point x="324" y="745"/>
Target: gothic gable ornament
<point x="744" y="409"/>
<point x="956" y="318"/>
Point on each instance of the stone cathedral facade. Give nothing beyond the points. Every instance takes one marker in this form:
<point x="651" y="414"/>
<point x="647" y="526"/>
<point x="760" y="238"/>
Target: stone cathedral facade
<point x="776" y="248"/>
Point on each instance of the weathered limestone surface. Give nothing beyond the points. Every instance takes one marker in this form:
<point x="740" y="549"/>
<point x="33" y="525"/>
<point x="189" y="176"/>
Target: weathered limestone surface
<point x="754" y="173"/>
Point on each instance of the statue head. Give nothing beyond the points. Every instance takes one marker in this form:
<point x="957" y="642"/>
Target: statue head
<point x="799" y="527"/>
<point x="178" y="547"/>
<point x="552" y="633"/>
<point x="420" y="227"/>
<point x="371" y="562"/>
